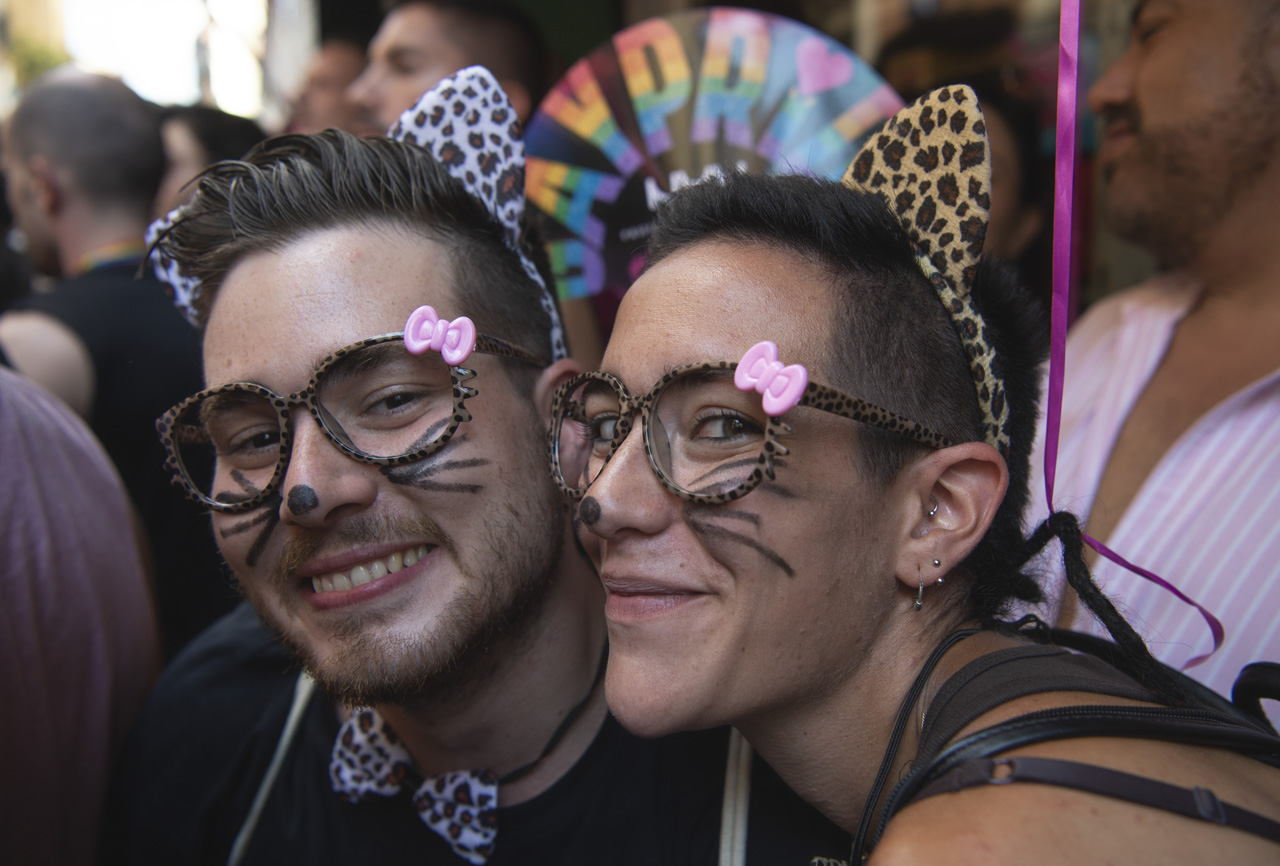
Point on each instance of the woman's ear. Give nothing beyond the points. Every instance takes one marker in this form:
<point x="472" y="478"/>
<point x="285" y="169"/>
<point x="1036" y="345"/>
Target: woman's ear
<point x="549" y="380"/>
<point x="957" y="491"/>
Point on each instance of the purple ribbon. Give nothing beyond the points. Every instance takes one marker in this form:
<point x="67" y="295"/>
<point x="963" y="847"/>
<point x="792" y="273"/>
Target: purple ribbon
<point x="1064" y="178"/>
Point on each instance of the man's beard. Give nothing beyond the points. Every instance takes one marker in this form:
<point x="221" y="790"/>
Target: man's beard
<point x="1177" y="197"/>
<point x="469" y="639"/>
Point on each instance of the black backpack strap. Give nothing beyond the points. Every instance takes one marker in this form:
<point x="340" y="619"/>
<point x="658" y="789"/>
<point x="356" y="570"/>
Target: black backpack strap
<point x="1256" y="681"/>
<point x="1191" y="726"/>
<point x="1198" y="803"/>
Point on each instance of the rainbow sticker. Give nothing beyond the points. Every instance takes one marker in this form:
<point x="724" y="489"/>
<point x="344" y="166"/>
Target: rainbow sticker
<point x="674" y="99"/>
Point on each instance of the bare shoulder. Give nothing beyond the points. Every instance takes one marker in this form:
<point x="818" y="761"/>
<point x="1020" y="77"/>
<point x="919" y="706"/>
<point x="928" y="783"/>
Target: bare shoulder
<point x="1044" y="824"/>
<point x="49" y="353"/>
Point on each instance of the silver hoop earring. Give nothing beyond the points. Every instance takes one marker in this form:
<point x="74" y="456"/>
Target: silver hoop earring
<point x="920" y="593"/>
<point x="933" y="510"/>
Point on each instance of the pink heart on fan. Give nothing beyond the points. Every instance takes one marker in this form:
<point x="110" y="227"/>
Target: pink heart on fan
<point x="821" y="69"/>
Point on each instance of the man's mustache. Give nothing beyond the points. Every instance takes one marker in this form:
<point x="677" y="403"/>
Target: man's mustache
<point x="304" y="545"/>
<point x="1125" y="116"/>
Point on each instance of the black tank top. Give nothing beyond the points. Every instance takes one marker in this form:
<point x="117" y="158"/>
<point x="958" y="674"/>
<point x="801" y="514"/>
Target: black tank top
<point x="1005" y="675"/>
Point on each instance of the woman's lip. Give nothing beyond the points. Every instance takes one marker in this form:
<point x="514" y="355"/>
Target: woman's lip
<point x="634" y="585"/>
<point x="621" y="605"/>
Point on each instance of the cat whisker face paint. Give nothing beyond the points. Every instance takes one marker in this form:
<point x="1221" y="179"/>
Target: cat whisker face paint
<point x="303" y="499"/>
<point x="715" y="527"/>
<point x="265" y="517"/>
<point x="426" y="473"/>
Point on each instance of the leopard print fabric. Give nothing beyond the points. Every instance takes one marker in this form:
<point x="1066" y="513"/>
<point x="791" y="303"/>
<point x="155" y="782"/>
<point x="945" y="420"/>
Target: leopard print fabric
<point x="368" y="760"/>
<point x="469" y="126"/>
<point x="931" y="164"/>
<point x="182" y="289"/>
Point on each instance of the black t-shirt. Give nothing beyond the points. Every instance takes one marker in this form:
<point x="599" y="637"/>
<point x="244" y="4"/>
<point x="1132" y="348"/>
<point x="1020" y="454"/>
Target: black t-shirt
<point x="195" y="760"/>
<point x="146" y="358"/>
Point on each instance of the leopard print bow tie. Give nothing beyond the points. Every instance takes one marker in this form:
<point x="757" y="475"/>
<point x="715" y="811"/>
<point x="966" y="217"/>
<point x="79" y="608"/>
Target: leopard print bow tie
<point x="368" y="759"/>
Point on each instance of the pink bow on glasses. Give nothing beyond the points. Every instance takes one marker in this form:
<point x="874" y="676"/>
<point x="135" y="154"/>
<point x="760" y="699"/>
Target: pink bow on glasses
<point x="455" y="341"/>
<point x="781" y="387"/>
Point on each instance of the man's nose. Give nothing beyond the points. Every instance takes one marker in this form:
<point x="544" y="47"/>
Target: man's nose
<point x="363" y="90"/>
<point x="1115" y="88"/>
<point x="321" y="484"/>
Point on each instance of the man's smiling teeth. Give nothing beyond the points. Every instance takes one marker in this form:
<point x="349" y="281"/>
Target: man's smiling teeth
<point x="370" y="571"/>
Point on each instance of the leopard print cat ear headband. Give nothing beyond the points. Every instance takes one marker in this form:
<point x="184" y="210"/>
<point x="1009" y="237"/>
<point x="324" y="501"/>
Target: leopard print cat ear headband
<point x="931" y="164"/>
<point x="467" y="124"/>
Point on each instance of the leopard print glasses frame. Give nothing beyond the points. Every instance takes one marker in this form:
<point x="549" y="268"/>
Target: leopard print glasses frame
<point x="566" y="405"/>
<point x="175" y="430"/>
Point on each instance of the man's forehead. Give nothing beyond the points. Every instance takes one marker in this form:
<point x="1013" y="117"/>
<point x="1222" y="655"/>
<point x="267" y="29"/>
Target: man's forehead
<point x="321" y="292"/>
<point x="337" y="64"/>
<point x="413" y="27"/>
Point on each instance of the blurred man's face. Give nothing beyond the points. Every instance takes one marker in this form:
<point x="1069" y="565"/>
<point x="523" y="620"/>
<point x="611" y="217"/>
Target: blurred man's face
<point x="1188" y="120"/>
<point x="409" y="55"/>
<point x="323" y="102"/>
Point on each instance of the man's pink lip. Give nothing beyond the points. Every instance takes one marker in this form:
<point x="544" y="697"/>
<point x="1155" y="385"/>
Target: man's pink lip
<point x="1116" y="139"/>
<point x="359" y="594"/>
<point x="332" y="564"/>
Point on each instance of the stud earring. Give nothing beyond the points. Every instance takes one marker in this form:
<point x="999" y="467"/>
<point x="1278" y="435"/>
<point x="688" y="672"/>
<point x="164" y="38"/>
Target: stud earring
<point x="937" y="563"/>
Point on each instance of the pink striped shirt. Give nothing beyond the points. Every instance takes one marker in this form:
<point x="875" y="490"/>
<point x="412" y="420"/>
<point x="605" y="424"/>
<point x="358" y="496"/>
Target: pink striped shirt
<point x="1207" y="518"/>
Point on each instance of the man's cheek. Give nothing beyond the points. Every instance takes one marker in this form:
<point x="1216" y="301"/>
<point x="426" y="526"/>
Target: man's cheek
<point x="243" y="537"/>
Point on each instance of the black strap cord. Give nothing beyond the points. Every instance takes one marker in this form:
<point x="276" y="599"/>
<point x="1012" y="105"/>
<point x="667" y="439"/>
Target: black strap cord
<point x="899" y="727"/>
<point x="1202" y="728"/>
<point x="563" y="728"/>
<point x="1198" y="803"/>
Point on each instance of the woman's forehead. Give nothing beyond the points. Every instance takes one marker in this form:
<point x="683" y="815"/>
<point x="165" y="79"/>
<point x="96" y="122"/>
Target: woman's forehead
<point x="715" y="300"/>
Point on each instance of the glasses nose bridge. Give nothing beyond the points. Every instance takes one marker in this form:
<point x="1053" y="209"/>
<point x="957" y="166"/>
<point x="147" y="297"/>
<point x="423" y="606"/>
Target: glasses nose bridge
<point x="287" y="406"/>
<point x="628" y="408"/>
